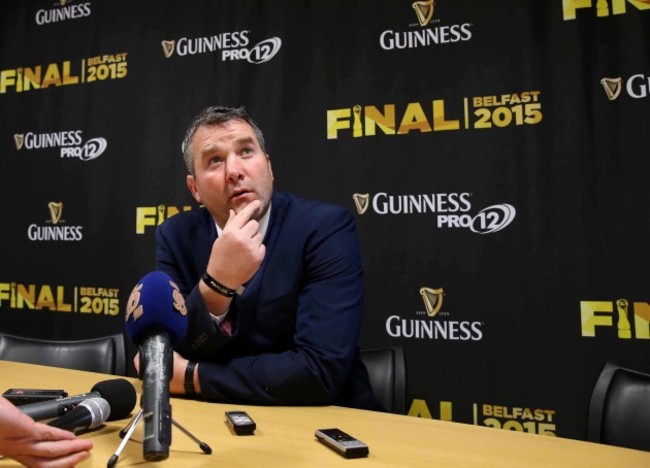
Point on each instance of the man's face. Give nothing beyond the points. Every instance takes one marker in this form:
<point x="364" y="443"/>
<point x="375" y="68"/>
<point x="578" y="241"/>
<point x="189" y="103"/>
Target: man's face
<point x="230" y="170"/>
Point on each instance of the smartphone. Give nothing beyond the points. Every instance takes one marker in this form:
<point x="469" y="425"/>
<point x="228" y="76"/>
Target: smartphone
<point x="342" y="442"/>
<point x="240" y="422"/>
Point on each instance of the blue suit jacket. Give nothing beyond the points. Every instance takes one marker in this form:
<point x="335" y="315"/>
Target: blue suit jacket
<point x="296" y="327"/>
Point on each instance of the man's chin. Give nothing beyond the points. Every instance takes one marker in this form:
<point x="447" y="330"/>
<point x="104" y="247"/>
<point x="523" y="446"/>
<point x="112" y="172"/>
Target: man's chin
<point x="240" y="203"/>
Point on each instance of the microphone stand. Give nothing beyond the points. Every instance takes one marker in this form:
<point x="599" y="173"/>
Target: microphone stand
<point x="125" y="435"/>
<point x="156" y="364"/>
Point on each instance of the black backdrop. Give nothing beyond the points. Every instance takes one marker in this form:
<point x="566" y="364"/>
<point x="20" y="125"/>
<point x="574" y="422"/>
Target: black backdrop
<point x="495" y="154"/>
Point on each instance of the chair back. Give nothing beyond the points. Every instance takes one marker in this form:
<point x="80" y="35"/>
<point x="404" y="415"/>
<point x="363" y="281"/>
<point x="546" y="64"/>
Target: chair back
<point x="106" y="354"/>
<point x="387" y="371"/>
<point x="619" y="410"/>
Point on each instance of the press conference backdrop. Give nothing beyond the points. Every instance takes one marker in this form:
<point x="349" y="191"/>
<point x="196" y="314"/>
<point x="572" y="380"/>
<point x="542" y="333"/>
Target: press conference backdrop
<point x="495" y="155"/>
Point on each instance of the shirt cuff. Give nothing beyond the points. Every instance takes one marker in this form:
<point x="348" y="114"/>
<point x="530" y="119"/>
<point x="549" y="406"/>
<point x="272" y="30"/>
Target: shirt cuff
<point x="217" y="319"/>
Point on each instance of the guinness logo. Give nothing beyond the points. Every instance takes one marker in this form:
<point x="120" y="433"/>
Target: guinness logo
<point x="432" y="300"/>
<point x="612" y="87"/>
<point x="424" y="11"/>
<point x="56" y="209"/>
<point x="19" y="139"/>
<point x="362" y="201"/>
<point x="168" y="48"/>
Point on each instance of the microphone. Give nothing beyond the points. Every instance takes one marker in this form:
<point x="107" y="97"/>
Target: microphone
<point x="87" y="415"/>
<point x="156" y="320"/>
<point x="119" y="393"/>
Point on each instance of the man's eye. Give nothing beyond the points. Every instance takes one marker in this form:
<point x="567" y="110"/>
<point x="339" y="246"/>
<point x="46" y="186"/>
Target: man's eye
<point x="214" y="161"/>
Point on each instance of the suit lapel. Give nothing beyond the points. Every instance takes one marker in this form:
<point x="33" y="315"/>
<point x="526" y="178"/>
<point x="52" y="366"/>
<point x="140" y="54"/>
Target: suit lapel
<point x="206" y="235"/>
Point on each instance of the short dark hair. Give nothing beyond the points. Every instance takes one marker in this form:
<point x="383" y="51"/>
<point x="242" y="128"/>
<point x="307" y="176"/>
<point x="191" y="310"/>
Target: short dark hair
<point x="215" y="115"/>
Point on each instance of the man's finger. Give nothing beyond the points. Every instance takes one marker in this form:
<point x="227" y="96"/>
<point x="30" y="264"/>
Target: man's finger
<point x="246" y="214"/>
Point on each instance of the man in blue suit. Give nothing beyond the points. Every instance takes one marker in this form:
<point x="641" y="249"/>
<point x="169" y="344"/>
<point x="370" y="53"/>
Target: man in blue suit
<point x="272" y="282"/>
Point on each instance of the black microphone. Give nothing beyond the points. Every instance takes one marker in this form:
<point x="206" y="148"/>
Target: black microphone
<point x="156" y="320"/>
<point x="87" y="415"/>
<point x="119" y="393"/>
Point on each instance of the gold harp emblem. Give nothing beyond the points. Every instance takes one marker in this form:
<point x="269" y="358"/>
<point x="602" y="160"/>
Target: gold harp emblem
<point x="19" y="139"/>
<point x="612" y="87"/>
<point x="361" y="200"/>
<point x="432" y="300"/>
<point x="168" y="48"/>
<point x="56" y="209"/>
<point x="424" y="11"/>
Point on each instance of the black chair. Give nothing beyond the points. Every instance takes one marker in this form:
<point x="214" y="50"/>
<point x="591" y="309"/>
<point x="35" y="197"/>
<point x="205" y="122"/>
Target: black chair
<point x="619" y="410"/>
<point x="387" y="370"/>
<point x="106" y="354"/>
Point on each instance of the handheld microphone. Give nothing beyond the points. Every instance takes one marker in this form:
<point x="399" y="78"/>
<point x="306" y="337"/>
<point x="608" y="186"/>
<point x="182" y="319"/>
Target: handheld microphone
<point x="119" y="393"/>
<point x="156" y="320"/>
<point x="87" y="415"/>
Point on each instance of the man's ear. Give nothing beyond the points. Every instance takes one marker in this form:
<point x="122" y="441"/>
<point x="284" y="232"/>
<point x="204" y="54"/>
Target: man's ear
<point x="191" y="185"/>
<point x="268" y="160"/>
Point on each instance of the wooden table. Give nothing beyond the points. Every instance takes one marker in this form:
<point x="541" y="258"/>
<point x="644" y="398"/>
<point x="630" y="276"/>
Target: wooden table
<point x="285" y="436"/>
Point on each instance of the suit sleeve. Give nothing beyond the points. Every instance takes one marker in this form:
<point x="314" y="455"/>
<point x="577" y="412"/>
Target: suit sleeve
<point x="176" y="256"/>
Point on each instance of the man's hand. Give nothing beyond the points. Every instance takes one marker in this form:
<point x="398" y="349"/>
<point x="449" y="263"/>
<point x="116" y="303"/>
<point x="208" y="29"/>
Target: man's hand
<point x="238" y="252"/>
<point x="177" y="383"/>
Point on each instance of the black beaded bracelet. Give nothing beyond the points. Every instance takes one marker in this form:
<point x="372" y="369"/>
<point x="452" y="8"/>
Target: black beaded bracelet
<point x="217" y="287"/>
<point x="189" y="379"/>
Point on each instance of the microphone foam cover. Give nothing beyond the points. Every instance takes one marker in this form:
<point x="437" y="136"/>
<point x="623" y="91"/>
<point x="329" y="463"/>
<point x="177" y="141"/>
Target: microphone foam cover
<point x="120" y="395"/>
<point x="156" y="305"/>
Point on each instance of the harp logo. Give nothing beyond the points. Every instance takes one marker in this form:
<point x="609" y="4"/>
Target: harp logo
<point x="612" y="87"/>
<point x="19" y="139"/>
<point x="423" y="11"/>
<point x="432" y="299"/>
<point x="56" y="209"/>
<point x="361" y="201"/>
<point x="168" y="48"/>
<point x="636" y="86"/>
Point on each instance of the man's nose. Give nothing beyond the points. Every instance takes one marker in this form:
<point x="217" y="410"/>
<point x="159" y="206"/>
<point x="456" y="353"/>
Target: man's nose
<point x="233" y="168"/>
